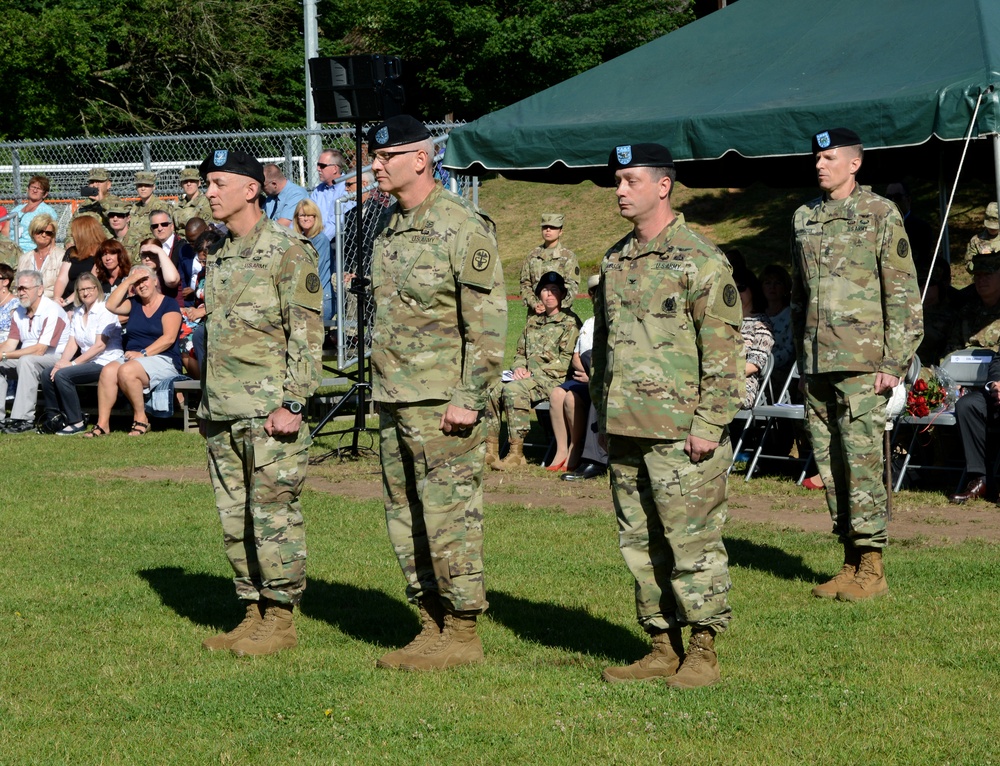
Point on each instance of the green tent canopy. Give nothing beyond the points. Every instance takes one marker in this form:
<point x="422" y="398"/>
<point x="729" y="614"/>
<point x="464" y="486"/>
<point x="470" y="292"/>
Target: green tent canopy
<point x="738" y="94"/>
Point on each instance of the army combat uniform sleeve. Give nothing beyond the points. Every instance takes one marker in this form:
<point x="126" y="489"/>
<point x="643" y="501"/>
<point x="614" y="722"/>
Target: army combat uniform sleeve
<point x="482" y="309"/>
<point x="717" y="314"/>
<point x="900" y="298"/>
<point x="528" y="284"/>
<point x="301" y="296"/>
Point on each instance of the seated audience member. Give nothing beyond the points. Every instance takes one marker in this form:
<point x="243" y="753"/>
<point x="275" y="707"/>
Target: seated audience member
<point x="37" y="338"/>
<point x="177" y="250"/>
<point x="113" y="265"/>
<point x="193" y="348"/>
<point x="541" y="363"/>
<point x="8" y="300"/>
<point x="569" y="402"/>
<point x="978" y="326"/>
<point x="282" y="196"/>
<point x="986" y="239"/>
<point x="47" y="256"/>
<point x="756" y="331"/>
<point x="95" y="339"/>
<point x="777" y="286"/>
<point x="309" y="223"/>
<point x="191" y="267"/>
<point x="88" y="234"/>
<point x="38" y="189"/>
<point x="151" y="355"/>
<point x="168" y="279"/>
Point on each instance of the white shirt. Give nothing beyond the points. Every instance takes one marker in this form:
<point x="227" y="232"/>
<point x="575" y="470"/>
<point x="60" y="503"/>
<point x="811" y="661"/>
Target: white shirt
<point x="49" y="326"/>
<point x="585" y="340"/>
<point x="100" y="321"/>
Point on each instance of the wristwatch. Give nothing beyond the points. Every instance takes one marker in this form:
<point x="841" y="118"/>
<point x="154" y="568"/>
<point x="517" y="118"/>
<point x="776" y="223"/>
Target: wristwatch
<point x="143" y="352"/>
<point x="293" y="407"/>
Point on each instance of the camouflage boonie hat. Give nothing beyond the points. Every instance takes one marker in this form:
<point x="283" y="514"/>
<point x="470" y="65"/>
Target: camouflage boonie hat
<point x="190" y="174"/>
<point x="985" y="263"/>
<point x="992" y="219"/>
<point x="98" y="174"/>
<point x="145" y="178"/>
<point x="119" y="207"/>
<point x="553" y="219"/>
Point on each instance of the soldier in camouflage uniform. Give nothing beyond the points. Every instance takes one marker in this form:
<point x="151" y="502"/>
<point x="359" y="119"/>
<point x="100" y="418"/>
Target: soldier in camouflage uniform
<point x="542" y="362"/>
<point x="977" y="326"/>
<point x="984" y="241"/>
<point x="10" y="253"/>
<point x="437" y="349"/>
<point x="97" y="205"/>
<point x="549" y="256"/>
<point x="119" y="218"/>
<point x="192" y="204"/>
<point x="263" y="340"/>
<point x="668" y="377"/>
<point x="856" y="322"/>
<point x="145" y="185"/>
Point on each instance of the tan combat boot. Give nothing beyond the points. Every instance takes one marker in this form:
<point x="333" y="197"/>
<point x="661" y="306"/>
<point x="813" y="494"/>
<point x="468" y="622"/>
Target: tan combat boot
<point x="431" y="623"/>
<point x="492" y="449"/>
<point x="700" y="666"/>
<point x="514" y="459"/>
<point x="457" y="645"/>
<point x="245" y="628"/>
<point x="662" y="662"/>
<point x="274" y="633"/>
<point x="869" y="581"/>
<point x="829" y="589"/>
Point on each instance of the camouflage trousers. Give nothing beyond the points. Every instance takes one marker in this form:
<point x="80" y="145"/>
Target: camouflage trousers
<point x="670" y="518"/>
<point x="433" y="490"/>
<point x="515" y="399"/>
<point x="846" y="421"/>
<point x="257" y="480"/>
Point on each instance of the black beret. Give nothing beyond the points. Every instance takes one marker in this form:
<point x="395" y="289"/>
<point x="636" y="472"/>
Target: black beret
<point x="239" y="163"/>
<point x="550" y="278"/>
<point x="640" y="156"/>
<point x="396" y="131"/>
<point x="831" y="139"/>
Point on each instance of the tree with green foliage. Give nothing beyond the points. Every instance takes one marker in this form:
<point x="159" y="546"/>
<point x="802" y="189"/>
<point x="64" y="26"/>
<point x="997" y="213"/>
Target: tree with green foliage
<point x="73" y="67"/>
<point x="469" y="58"/>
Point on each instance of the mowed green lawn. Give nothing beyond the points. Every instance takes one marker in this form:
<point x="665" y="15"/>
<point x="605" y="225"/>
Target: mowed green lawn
<point x="112" y="581"/>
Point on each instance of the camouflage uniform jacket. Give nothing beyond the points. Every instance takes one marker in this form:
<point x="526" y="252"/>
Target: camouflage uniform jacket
<point x="186" y="209"/>
<point x="668" y="359"/>
<point x="132" y="241"/>
<point x="140" y="215"/>
<point x="977" y="326"/>
<point x="98" y="210"/>
<point x="981" y="243"/>
<point x="263" y="327"/>
<point x="855" y="300"/>
<point x="440" y="304"/>
<point x="546" y="345"/>
<point x="542" y="260"/>
<point x="10" y="253"/>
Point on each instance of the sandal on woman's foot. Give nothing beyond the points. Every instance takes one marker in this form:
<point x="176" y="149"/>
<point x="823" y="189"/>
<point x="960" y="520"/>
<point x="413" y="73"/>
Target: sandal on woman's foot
<point x="138" y="428"/>
<point x="94" y="432"/>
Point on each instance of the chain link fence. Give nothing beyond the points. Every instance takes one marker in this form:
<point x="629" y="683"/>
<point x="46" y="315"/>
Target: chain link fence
<point x="67" y="162"/>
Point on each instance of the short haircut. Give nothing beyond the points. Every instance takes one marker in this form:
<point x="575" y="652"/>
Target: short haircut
<point x="160" y="212"/>
<point x="33" y="276"/>
<point x="87" y="278"/>
<point x="272" y="172"/>
<point x="40" y="222"/>
<point x="42" y="181"/>
<point x="207" y="240"/>
<point x="336" y="157"/>
<point x="659" y="172"/>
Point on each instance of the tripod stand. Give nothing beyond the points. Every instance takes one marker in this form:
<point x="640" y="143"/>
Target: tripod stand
<point x="361" y="388"/>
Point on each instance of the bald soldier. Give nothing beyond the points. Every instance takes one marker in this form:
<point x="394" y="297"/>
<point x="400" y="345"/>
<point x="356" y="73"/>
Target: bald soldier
<point x="263" y="338"/>
<point x="551" y="255"/>
<point x="856" y="323"/>
<point x="437" y="348"/>
<point x="668" y="377"/>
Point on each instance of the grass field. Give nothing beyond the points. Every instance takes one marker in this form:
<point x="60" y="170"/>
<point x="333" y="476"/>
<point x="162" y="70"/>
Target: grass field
<point x="113" y="581"/>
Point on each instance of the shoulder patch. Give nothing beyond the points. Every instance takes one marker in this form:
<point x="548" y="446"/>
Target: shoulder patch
<point x="902" y="248"/>
<point x="312" y="283"/>
<point x="729" y="295"/>
<point x="481" y="260"/>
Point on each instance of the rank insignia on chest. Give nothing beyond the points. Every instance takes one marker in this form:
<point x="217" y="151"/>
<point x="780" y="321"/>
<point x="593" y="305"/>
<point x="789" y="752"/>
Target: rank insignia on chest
<point x="669" y="306"/>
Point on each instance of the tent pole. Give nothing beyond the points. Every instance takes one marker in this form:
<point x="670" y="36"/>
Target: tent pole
<point x="996" y="164"/>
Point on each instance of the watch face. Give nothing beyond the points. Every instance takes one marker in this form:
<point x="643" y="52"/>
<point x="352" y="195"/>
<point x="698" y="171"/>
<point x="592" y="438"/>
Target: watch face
<point x="293" y="407"/>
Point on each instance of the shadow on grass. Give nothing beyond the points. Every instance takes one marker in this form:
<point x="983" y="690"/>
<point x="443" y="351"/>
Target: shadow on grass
<point x="769" y="558"/>
<point x="572" y="629"/>
<point x="362" y="613"/>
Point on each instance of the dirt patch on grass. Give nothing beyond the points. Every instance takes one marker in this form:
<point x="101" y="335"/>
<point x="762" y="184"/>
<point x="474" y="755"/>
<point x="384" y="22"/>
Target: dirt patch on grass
<point x="918" y="517"/>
